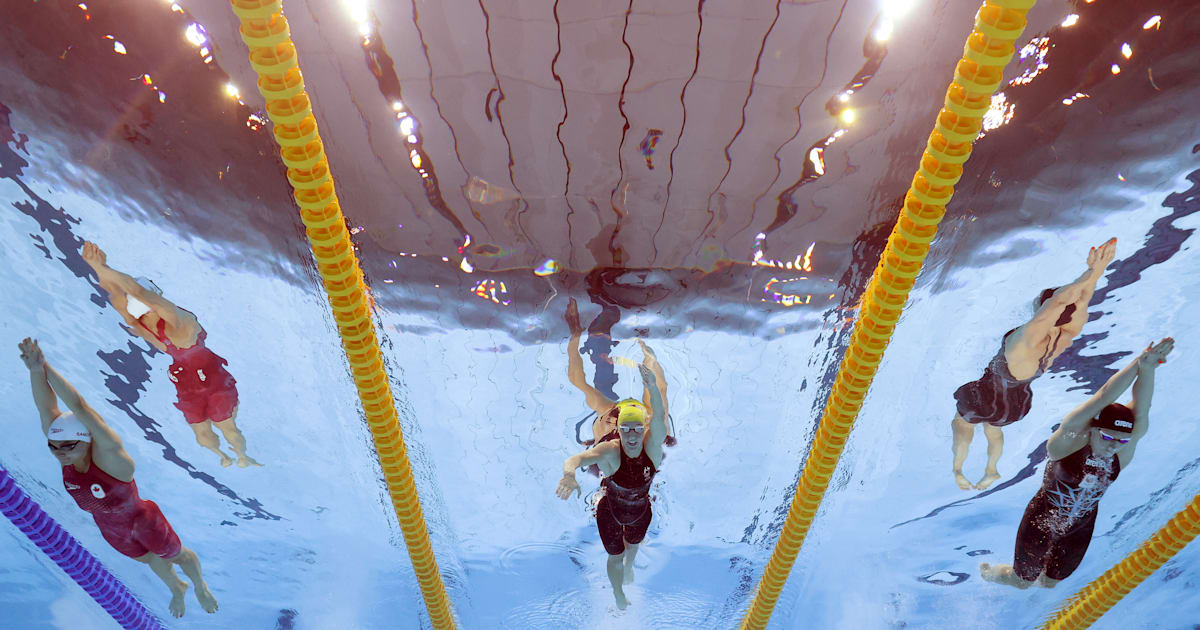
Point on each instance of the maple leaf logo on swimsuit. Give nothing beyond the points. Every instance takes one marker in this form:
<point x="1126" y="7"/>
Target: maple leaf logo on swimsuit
<point x="97" y="491"/>
<point x="646" y="472"/>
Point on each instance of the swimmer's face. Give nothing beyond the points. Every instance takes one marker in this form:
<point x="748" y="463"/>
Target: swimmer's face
<point x="1106" y="442"/>
<point x="632" y="434"/>
<point x="68" y="452"/>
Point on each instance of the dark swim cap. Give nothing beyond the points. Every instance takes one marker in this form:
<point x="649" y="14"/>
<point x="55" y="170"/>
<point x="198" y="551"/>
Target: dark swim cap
<point x="1114" y="417"/>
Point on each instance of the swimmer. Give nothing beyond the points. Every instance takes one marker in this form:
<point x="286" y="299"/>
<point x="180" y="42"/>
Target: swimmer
<point x="1003" y="395"/>
<point x="607" y="410"/>
<point x="98" y="473"/>
<point x="206" y="393"/>
<point x="629" y="464"/>
<point x="1093" y="445"/>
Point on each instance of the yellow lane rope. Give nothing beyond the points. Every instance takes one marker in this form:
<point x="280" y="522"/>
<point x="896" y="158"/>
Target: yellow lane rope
<point x="976" y="77"/>
<point x="273" y="57"/>
<point x="1104" y="592"/>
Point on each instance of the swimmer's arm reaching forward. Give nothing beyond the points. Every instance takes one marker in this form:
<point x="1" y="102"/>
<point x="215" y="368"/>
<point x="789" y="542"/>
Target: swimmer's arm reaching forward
<point x="595" y="455"/>
<point x="1073" y="433"/>
<point x="124" y="284"/>
<point x="107" y="450"/>
<point x="658" y="421"/>
<point x="43" y="396"/>
<point x="1143" y="391"/>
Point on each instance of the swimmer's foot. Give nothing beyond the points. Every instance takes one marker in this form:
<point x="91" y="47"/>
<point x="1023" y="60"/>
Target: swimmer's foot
<point x="622" y="602"/>
<point x="226" y="461"/>
<point x="987" y="480"/>
<point x="245" y="461"/>
<point x="961" y="481"/>
<point x="178" y="606"/>
<point x="1002" y="574"/>
<point x="206" y="599"/>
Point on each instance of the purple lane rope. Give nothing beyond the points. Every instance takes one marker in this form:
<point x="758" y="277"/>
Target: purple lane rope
<point x="68" y="554"/>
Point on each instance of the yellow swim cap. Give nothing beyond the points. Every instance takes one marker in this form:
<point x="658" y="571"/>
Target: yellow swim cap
<point x="631" y="411"/>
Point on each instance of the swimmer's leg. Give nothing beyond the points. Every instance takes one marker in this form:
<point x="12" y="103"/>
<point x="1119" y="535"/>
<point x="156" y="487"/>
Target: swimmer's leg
<point x="660" y="377"/>
<point x="631" y="550"/>
<point x="963" y="432"/>
<point x="596" y="400"/>
<point x="165" y="571"/>
<point x="187" y="560"/>
<point x="616" y="578"/>
<point x="236" y="440"/>
<point x="1002" y="574"/>
<point x="209" y="440"/>
<point x="995" y="440"/>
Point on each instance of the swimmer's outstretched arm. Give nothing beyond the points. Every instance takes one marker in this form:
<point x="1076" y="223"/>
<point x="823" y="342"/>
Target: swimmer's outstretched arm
<point x="107" y="450"/>
<point x="1072" y="434"/>
<point x="1143" y="389"/>
<point x="1097" y="262"/>
<point x="594" y="455"/>
<point x="43" y="395"/>
<point x="126" y="285"/>
<point x="596" y="400"/>
<point x="658" y="421"/>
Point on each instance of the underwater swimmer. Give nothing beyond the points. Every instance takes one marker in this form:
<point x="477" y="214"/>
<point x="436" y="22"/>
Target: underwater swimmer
<point x="629" y="464"/>
<point x="1003" y="395"/>
<point x="1094" y="444"/>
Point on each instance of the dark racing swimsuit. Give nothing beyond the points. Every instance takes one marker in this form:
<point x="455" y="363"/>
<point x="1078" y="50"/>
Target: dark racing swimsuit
<point x="624" y="513"/>
<point x="1057" y="527"/>
<point x="997" y="398"/>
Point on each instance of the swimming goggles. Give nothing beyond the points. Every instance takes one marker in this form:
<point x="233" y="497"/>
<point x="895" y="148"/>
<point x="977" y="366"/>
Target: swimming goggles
<point x="631" y="427"/>
<point x="65" y="446"/>
<point x="1109" y="438"/>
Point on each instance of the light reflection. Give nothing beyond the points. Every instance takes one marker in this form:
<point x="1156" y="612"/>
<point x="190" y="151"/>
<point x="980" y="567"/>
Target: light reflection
<point x="774" y="294"/>
<point x="466" y="265"/>
<point x="406" y="125"/>
<point x="493" y="291"/>
<point x="801" y="262"/>
<point x="232" y="90"/>
<point x="1152" y="23"/>
<point x="1126" y="50"/>
<point x="1037" y="47"/>
<point x="1075" y="97"/>
<point x="817" y="157"/>
<point x="884" y="32"/>
<point x="195" y="34"/>
<point x="848" y="116"/>
<point x="1000" y="112"/>
<point x="1071" y="20"/>
<point x="896" y="8"/>
<point x="1116" y="69"/>
<point x="547" y="268"/>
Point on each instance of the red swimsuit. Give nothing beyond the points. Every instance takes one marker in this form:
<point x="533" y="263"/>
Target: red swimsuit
<point x="129" y="523"/>
<point x="205" y="390"/>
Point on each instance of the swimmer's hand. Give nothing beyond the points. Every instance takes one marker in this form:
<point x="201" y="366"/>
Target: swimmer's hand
<point x="1156" y="354"/>
<point x="31" y="354"/>
<point x="572" y="317"/>
<point x="566" y="486"/>
<point x="1099" y="257"/>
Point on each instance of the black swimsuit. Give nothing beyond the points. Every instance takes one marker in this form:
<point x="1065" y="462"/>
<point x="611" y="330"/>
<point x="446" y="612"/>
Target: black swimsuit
<point x="997" y="398"/>
<point x="1057" y="527"/>
<point x="624" y="512"/>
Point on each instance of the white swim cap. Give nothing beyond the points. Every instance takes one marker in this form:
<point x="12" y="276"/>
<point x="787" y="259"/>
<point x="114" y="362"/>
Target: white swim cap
<point x="66" y="427"/>
<point x="135" y="307"/>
